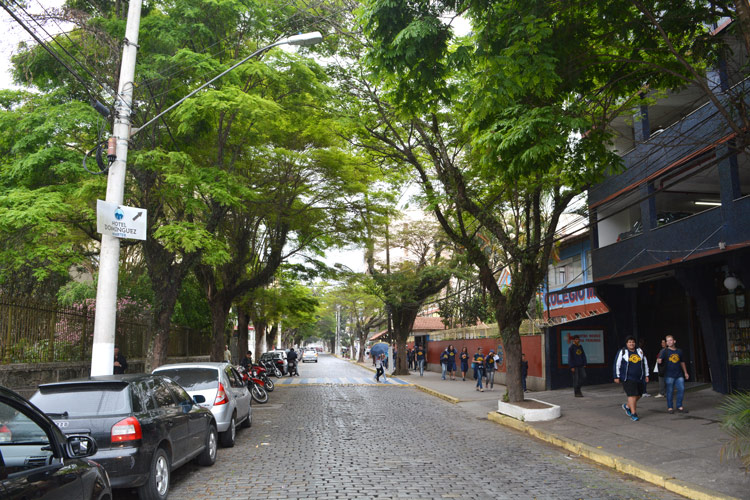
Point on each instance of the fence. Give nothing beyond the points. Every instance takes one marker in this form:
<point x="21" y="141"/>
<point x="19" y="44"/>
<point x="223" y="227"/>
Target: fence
<point x="479" y="332"/>
<point x="32" y="332"/>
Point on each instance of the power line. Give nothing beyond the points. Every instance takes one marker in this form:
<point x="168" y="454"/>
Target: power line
<point x="50" y="51"/>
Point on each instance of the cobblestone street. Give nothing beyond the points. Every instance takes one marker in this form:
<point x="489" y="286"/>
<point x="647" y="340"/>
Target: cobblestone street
<point x="343" y="440"/>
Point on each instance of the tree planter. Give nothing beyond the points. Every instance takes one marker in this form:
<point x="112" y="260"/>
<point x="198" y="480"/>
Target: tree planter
<point x="530" y="410"/>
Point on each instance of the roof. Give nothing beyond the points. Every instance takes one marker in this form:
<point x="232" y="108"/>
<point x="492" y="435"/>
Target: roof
<point x="428" y="323"/>
<point x="421" y="324"/>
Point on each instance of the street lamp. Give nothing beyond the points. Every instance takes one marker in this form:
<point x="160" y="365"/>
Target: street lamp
<point x="102" y="352"/>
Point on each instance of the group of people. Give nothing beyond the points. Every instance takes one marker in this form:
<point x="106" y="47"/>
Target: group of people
<point x="632" y="371"/>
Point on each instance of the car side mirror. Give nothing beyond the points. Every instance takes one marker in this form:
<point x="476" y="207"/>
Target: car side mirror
<point x="199" y="399"/>
<point x="79" y="446"/>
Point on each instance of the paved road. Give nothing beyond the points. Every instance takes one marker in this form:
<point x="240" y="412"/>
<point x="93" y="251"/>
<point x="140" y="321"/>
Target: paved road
<point x="334" y="439"/>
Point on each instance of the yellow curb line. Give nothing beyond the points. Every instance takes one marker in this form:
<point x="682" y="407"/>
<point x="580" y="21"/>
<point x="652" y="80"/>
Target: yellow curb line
<point x="435" y="393"/>
<point x="615" y="462"/>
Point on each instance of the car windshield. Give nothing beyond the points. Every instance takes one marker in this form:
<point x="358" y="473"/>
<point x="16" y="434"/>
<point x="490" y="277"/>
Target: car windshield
<point x="193" y="379"/>
<point x="80" y="401"/>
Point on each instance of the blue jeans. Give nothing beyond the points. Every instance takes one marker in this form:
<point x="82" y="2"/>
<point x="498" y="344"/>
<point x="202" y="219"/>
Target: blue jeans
<point x="445" y="368"/>
<point x="480" y="376"/>
<point x="673" y="383"/>
<point x="421" y="367"/>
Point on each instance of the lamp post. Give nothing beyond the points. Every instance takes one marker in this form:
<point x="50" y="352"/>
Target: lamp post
<point x="102" y="352"/>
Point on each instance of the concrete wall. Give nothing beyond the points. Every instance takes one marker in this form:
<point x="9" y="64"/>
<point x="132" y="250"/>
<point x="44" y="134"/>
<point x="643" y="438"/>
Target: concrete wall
<point x="25" y="377"/>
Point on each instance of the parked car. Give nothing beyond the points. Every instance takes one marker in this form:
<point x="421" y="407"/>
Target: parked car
<point x="278" y="357"/>
<point x="146" y="426"/>
<point x="310" y="355"/>
<point x="38" y="461"/>
<point x="226" y="394"/>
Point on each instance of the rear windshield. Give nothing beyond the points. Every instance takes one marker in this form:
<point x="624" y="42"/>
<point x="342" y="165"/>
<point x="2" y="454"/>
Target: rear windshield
<point x="193" y="379"/>
<point x="83" y="401"/>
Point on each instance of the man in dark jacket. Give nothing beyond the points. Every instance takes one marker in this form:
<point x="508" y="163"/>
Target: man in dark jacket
<point x="577" y="364"/>
<point x="121" y="363"/>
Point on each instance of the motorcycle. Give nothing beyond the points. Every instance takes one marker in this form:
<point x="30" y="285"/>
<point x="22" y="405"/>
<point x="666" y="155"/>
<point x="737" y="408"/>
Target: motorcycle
<point x="271" y="368"/>
<point x="255" y="385"/>
<point x="262" y="374"/>
<point x="293" y="369"/>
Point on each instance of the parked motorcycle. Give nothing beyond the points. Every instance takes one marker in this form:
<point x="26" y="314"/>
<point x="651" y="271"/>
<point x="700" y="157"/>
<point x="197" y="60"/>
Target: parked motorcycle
<point x="271" y="368"/>
<point x="255" y="385"/>
<point x="262" y="374"/>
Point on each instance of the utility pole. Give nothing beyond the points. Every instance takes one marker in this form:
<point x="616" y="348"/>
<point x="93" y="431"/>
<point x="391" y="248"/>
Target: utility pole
<point x="103" y="350"/>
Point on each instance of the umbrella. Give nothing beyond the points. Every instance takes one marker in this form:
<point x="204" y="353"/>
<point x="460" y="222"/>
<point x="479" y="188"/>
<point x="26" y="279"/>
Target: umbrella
<point x="378" y="349"/>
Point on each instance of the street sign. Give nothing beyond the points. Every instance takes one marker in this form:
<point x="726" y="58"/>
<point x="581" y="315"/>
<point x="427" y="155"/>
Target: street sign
<point x="120" y="221"/>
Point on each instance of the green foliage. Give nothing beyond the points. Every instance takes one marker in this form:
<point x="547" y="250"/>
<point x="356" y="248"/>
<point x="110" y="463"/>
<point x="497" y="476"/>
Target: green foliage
<point x="735" y="421"/>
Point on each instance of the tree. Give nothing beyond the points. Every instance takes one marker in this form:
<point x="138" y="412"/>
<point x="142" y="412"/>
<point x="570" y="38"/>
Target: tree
<point x="504" y="127"/>
<point x="357" y="296"/>
<point x="404" y="286"/>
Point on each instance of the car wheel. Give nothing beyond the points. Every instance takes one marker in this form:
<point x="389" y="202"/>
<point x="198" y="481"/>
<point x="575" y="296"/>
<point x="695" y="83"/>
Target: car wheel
<point x="157" y="484"/>
<point x="208" y="456"/>
<point x="227" y="437"/>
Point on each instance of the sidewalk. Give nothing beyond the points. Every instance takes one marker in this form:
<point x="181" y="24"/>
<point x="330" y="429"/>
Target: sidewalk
<point x="678" y="452"/>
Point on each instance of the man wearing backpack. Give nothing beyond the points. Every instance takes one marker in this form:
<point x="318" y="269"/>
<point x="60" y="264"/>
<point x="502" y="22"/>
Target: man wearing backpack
<point x="631" y="368"/>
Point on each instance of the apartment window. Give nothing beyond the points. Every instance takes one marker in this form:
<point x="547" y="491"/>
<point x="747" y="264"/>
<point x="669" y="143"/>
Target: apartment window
<point x="566" y="272"/>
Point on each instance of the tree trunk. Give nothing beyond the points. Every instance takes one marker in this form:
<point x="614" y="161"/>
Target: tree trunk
<point x="271" y="338"/>
<point x="243" y="322"/>
<point x="260" y="338"/>
<point x="219" y="313"/>
<point x="512" y="345"/>
<point x="158" y="345"/>
<point x="403" y="321"/>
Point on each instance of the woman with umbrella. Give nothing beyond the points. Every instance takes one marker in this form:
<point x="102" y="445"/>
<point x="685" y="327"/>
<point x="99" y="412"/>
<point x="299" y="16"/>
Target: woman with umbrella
<point x="378" y="353"/>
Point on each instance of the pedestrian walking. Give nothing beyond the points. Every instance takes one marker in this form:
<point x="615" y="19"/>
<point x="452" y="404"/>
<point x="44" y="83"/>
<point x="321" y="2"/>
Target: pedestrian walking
<point x="479" y="368"/>
<point x="524" y="371"/>
<point x="379" y="367"/>
<point x="662" y="387"/>
<point x="452" y="361"/>
<point x="444" y="361"/>
<point x="577" y="363"/>
<point x="489" y="369"/>
<point x="464" y="358"/>
<point x="631" y="368"/>
<point x="672" y="361"/>
<point x="227" y="354"/>
<point x="410" y="358"/>
<point x="421" y="360"/>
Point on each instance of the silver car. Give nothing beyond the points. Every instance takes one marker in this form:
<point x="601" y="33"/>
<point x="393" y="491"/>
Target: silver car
<point x="226" y="394"/>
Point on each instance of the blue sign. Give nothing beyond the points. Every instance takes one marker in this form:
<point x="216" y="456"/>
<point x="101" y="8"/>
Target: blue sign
<point x="592" y="342"/>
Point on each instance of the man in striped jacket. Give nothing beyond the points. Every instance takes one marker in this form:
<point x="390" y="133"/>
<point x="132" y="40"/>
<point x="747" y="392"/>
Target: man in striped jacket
<point x="631" y="368"/>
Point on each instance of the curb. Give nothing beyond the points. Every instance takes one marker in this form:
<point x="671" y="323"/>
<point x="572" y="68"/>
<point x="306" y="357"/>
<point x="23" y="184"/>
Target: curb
<point x="437" y="394"/>
<point x="623" y="465"/>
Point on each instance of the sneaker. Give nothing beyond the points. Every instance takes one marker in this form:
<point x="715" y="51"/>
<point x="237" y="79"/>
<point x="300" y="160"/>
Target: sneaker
<point x="659" y="396"/>
<point x="646" y="395"/>
<point x="634" y="417"/>
<point x="627" y="410"/>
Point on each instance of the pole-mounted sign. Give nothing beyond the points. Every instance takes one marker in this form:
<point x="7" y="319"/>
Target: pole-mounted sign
<point x="120" y="221"/>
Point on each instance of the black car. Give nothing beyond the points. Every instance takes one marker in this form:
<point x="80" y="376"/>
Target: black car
<point x="38" y="461"/>
<point x="145" y="425"/>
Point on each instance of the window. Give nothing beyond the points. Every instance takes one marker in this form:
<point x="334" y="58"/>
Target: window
<point x="180" y="394"/>
<point x="234" y="381"/>
<point x="83" y="400"/>
<point x="566" y="272"/>
<point x="162" y="396"/>
<point x="193" y="379"/>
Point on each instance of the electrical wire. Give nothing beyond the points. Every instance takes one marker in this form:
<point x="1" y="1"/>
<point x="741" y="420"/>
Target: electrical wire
<point x="51" y="52"/>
